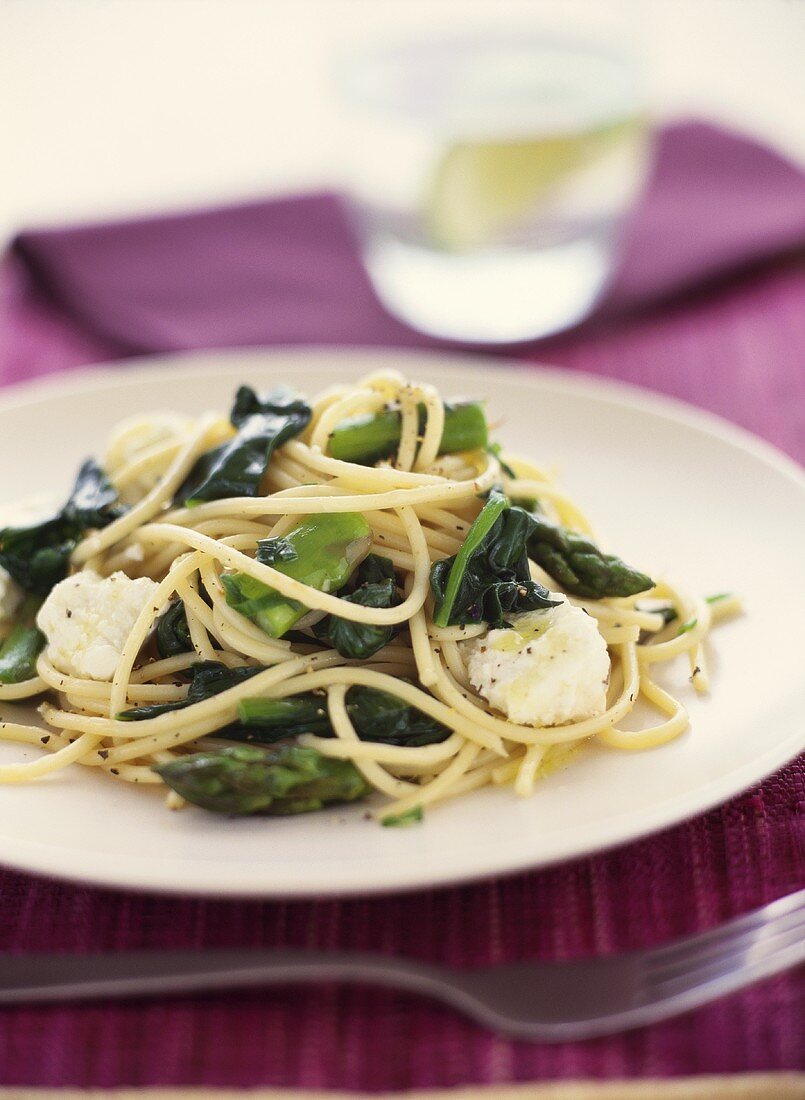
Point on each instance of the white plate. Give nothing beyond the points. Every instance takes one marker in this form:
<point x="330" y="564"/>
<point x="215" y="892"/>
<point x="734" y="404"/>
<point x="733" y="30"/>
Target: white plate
<point x="674" y="489"/>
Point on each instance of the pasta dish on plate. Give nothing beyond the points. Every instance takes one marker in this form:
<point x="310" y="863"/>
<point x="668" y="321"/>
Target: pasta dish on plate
<point x="307" y="602"/>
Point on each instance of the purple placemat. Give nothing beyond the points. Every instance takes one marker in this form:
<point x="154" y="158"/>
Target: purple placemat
<point x="737" y="349"/>
<point x="286" y="271"/>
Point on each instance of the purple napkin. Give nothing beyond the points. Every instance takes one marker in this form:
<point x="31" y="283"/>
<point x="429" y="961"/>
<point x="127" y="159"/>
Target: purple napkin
<point x="287" y="271"/>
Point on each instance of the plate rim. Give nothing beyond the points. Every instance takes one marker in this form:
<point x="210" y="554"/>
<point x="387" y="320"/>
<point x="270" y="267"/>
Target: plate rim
<point x="369" y="876"/>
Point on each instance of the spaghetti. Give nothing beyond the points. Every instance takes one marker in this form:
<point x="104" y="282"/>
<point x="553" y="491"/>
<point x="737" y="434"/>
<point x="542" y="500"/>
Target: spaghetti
<point x="422" y="506"/>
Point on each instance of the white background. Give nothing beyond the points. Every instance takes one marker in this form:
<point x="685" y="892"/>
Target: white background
<point x="110" y="106"/>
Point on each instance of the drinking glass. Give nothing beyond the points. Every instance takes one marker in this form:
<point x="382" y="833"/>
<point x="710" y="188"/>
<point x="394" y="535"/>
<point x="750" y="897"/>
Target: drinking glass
<point x="489" y="179"/>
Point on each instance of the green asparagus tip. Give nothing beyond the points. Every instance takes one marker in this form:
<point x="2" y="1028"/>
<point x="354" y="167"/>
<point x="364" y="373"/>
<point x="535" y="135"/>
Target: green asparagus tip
<point x="246" y="779"/>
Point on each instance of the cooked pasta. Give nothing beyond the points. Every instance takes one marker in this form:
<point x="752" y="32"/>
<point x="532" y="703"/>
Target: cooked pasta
<point x="315" y="602"/>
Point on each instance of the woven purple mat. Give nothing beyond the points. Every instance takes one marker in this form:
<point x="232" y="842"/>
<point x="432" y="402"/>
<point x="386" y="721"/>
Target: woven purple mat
<point x="736" y="349"/>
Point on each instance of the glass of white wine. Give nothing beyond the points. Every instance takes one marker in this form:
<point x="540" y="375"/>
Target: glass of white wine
<point x="489" y="179"/>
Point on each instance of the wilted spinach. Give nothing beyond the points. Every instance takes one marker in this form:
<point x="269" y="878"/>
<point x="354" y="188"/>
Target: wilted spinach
<point x="209" y="678"/>
<point x="236" y="468"/>
<point x="172" y="632"/>
<point x="371" y="585"/>
<point x="376" y="716"/>
<point x="38" y="556"/>
<point x="489" y="577"/>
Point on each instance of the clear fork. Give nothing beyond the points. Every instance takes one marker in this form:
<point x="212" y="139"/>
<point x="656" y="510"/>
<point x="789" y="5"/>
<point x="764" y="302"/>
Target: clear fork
<point x="548" y="1002"/>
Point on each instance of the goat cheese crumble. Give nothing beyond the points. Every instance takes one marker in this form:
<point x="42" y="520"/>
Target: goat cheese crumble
<point x="87" y="619"/>
<point x="549" y="668"/>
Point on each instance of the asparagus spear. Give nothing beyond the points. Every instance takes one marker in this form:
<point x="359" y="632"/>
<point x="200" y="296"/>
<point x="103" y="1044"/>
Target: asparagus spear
<point x="19" y="651"/>
<point x="269" y="720"/>
<point x="321" y="551"/>
<point x="367" y="438"/>
<point x="579" y="566"/>
<point x="245" y="779"/>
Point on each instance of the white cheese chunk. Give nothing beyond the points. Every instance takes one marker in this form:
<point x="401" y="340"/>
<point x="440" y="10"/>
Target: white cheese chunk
<point x="87" y="619"/>
<point x="550" y="668"/>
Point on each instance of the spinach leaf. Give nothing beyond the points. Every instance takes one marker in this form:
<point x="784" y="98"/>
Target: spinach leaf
<point x="245" y="779"/>
<point x="236" y="468"/>
<point x="173" y="633"/>
<point x="209" y="678"/>
<point x="579" y="567"/>
<point x="38" y="557"/>
<point x="276" y="551"/>
<point x="376" y="716"/>
<point x="489" y="577"/>
<point x="372" y="585"/>
<point x="380" y="716"/>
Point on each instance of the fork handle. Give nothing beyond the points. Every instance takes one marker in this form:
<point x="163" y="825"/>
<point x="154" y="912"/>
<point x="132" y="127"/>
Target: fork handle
<point x="47" y="978"/>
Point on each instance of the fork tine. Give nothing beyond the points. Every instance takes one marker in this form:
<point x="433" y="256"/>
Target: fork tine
<point x="733" y="940"/>
<point x="758" y="918"/>
<point x="760" y="954"/>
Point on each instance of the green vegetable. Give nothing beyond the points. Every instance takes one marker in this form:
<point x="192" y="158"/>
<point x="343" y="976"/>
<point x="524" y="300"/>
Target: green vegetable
<point x="410" y="817"/>
<point x="245" y="779"/>
<point x="689" y="625"/>
<point x="497" y="450"/>
<point x="376" y="716"/>
<point x="718" y="597"/>
<point x="38" y="557"/>
<point x="18" y="654"/>
<point x="209" y="678"/>
<point x="371" y="585"/>
<point x="236" y="468"/>
<point x="268" y="720"/>
<point x="367" y="438"/>
<point x="380" y="716"/>
<point x="489" y="576"/>
<point x="173" y="633"/>
<point x="322" y="551"/>
<point x="577" y="564"/>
